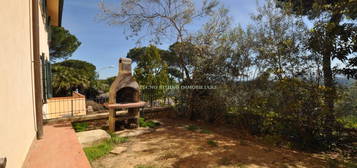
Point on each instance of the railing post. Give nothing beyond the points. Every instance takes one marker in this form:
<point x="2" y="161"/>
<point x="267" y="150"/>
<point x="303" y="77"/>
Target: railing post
<point x="72" y="107"/>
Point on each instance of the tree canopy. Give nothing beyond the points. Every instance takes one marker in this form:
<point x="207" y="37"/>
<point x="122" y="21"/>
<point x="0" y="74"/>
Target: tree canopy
<point x="62" y="44"/>
<point x="151" y="73"/>
<point x="331" y="37"/>
<point x="265" y="77"/>
<point x="70" y="75"/>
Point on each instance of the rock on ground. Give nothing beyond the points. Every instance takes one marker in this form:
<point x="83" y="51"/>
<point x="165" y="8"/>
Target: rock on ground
<point x="88" y="138"/>
<point x="133" y="132"/>
<point x="118" y="150"/>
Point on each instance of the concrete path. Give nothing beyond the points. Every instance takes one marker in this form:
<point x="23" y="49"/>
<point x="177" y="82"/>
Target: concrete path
<point x="59" y="148"/>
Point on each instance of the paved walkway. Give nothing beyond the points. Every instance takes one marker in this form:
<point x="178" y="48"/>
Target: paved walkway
<point x="59" y="148"/>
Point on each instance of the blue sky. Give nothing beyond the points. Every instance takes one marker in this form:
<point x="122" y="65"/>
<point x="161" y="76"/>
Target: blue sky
<point x="102" y="45"/>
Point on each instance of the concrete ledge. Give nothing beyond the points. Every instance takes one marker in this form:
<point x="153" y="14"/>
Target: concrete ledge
<point x="99" y="116"/>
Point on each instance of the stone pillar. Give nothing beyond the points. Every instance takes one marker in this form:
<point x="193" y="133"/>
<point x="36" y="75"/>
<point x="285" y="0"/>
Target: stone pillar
<point x="135" y="113"/>
<point x="111" y="120"/>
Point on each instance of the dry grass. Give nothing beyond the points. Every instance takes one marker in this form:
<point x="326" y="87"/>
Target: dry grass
<point x="173" y="145"/>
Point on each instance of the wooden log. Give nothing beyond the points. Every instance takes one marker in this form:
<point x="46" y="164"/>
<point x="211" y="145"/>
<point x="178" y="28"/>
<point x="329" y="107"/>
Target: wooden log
<point x="126" y="105"/>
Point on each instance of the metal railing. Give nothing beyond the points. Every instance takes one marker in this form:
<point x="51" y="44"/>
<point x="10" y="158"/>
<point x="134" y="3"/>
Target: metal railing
<point x="58" y="107"/>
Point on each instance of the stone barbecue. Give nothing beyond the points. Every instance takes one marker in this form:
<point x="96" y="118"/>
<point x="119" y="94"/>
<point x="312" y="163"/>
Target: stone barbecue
<point x="124" y="93"/>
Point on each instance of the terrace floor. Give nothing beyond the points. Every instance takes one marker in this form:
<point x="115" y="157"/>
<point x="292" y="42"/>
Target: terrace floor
<point x="59" y="148"/>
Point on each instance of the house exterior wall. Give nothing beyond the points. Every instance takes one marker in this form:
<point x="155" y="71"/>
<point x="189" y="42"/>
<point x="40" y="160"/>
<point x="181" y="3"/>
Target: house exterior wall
<point x="17" y="102"/>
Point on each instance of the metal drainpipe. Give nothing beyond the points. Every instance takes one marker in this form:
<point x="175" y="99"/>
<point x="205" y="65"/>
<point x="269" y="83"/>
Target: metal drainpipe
<point x="37" y="68"/>
<point x="3" y="162"/>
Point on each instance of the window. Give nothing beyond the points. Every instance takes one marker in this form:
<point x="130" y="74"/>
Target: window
<point x="46" y="78"/>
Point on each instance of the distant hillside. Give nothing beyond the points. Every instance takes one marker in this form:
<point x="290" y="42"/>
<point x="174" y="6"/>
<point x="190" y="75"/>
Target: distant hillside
<point x="343" y="81"/>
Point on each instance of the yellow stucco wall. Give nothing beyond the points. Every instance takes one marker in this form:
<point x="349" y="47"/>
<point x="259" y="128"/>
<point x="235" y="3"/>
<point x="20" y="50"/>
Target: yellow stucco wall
<point x="17" y="108"/>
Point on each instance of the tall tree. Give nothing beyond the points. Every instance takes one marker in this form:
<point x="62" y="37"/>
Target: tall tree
<point x="62" y="44"/>
<point x="159" y="19"/>
<point x="333" y="36"/>
<point x="151" y="73"/>
<point x="70" y="75"/>
<point x="167" y="56"/>
<point x="279" y="42"/>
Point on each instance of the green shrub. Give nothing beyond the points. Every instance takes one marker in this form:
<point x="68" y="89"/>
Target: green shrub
<point x="212" y="143"/>
<point x="205" y="131"/>
<point x="150" y="124"/>
<point x="192" y="127"/>
<point x="144" y="166"/>
<point x="80" y="126"/>
<point x="349" y="121"/>
<point x="291" y="109"/>
<point x="272" y="140"/>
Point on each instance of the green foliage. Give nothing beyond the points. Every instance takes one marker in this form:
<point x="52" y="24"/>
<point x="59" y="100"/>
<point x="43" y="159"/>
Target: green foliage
<point x="332" y="37"/>
<point x="315" y="8"/>
<point x="205" y="131"/>
<point x="118" y="140"/>
<point x="103" y="148"/>
<point x="288" y="110"/>
<point x="97" y="151"/>
<point x="268" y="75"/>
<point x="348" y="121"/>
<point x="212" y="143"/>
<point x="334" y="163"/>
<point x="144" y="166"/>
<point x="151" y="73"/>
<point x="347" y="104"/>
<point x="167" y="56"/>
<point x="104" y="84"/>
<point x="346" y="107"/>
<point x="192" y="127"/>
<point x="80" y="126"/>
<point x="150" y="124"/>
<point x="110" y="80"/>
<point x="70" y="75"/>
<point x="62" y="43"/>
<point x="280" y="40"/>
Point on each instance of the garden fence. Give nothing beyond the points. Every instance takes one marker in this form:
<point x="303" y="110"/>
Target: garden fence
<point x="58" y="107"/>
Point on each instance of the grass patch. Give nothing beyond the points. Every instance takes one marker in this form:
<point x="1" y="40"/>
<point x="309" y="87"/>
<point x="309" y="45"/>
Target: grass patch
<point x="80" y="126"/>
<point x="145" y="166"/>
<point x="192" y="127"/>
<point x="205" y="131"/>
<point x="99" y="150"/>
<point x="240" y="165"/>
<point x="333" y="163"/>
<point x="212" y="143"/>
<point x="150" y="124"/>
<point x="118" y="140"/>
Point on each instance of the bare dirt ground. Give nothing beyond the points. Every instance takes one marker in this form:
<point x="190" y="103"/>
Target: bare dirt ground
<point x="172" y="145"/>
